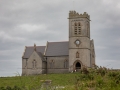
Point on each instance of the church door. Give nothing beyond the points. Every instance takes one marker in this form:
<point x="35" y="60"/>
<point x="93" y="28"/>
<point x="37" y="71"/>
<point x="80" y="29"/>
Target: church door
<point x="78" y="66"/>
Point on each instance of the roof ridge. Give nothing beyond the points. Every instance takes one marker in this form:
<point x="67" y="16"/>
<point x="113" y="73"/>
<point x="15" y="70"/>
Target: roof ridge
<point x="40" y="46"/>
<point x="36" y="46"/>
<point x="58" y="41"/>
<point x="29" y="46"/>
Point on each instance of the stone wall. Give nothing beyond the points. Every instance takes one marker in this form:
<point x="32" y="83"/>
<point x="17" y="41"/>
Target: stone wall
<point x="34" y="65"/>
<point x="79" y="30"/>
<point x="57" y="64"/>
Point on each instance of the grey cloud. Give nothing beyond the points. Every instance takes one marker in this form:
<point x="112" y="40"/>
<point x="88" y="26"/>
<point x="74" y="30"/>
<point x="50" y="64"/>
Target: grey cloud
<point x="23" y="23"/>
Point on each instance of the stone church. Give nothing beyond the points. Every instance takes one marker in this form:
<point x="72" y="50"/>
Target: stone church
<point x="62" y="57"/>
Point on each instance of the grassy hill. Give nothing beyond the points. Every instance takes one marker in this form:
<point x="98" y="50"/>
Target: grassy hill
<point x="92" y="79"/>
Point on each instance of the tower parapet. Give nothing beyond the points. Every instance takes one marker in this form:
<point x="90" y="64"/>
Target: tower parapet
<point x="74" y="14"/>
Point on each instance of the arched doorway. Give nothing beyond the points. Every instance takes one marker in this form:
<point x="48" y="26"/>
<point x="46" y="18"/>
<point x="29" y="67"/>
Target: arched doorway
<point x="78" y="65"/>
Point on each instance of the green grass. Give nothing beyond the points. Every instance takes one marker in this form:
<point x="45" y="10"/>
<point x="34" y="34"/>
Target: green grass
<point x="99" y="79"/>
<point x="57" y="79"/>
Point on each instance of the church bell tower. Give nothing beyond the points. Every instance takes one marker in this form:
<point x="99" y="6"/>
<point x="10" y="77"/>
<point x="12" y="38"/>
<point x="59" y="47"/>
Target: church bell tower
<point x="79" y="41"/>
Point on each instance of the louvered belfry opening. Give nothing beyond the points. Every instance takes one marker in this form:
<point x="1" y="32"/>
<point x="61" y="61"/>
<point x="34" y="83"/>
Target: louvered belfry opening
<point x="77" y="28"/>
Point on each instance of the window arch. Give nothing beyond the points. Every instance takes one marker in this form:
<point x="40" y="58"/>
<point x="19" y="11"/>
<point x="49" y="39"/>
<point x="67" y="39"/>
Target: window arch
<point x="77" y="54"/>
<point x="65" y="63"/>
<point x="26" y="63"/>
<point x="34" y="63"/>
<point x="51" y="63"/>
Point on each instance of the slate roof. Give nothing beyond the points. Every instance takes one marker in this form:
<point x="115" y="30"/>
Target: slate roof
<point x="41" y="55"/>
<point x="52" y="49"/>
<point x="29" y="50"/>
<point x="57" y="49"/>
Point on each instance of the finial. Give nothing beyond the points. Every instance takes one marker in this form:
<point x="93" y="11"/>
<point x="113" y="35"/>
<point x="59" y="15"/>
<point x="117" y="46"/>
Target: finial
<point x="34" y="46"/>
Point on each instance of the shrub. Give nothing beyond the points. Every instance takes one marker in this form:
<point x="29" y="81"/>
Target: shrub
<point x="101" y="70"/>
<point x="10" y="88"/>
<point x="100" y="82"/>
<point x="16" y="88"/>
<point x="2" y="88"/>
<point x="113" y="74"/>
<point x="85" y="70"/>
<point x="90" y="84"/>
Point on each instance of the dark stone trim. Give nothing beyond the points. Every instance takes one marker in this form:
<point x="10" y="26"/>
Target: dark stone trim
<point x="44" y="68"/>
<point x="78" y="17"/>
<point x="79" y="48"/>
<point x="80" y="36"/>
<point x="34" y="69"/>
<point x="57" y="56"/>
<point x="57" y="68"/>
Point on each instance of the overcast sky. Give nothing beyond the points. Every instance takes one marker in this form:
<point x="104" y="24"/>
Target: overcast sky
<point x="25" y="22"/>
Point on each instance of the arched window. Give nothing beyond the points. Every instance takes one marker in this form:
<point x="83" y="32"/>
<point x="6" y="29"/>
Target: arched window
<point x="65" y="63"/>
<point x="51" y="63"/>
<point x="34" y="63"/>
<point x="77" y="54"/>
<point x="26" y="63"/>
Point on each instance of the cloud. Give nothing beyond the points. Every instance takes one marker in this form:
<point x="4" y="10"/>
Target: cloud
<point x="25" y="22"/>
<point x="6" y="37"/>
<point x="111" y="64"/>
<point x="32" y="28"/>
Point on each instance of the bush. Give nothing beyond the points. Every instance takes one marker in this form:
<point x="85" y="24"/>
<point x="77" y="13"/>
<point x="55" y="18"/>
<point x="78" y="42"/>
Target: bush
<point x="2" y="88"/>
<point x="113" y="74"/>
<point x="10" y="88"/>
<point x="102" y="71"/>
<point x="85" y="70"/>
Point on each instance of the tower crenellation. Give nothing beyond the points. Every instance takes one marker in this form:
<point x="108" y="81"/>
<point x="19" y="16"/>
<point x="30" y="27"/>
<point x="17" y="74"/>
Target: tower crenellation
<point x="74" y="14"/>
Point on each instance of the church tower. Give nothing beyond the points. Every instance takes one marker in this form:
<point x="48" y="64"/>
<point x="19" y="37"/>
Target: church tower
<point x="79" y="41"/>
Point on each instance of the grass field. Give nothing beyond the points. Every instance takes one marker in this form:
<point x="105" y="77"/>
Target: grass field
<point x="92" y="79"/>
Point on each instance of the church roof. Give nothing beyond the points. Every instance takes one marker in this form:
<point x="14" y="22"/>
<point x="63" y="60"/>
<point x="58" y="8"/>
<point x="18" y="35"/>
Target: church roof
<point x="29" y="50"/>
<point x="52" y="49"/>
<point x="57" y="49"/>
<point x="41" y="55"/>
